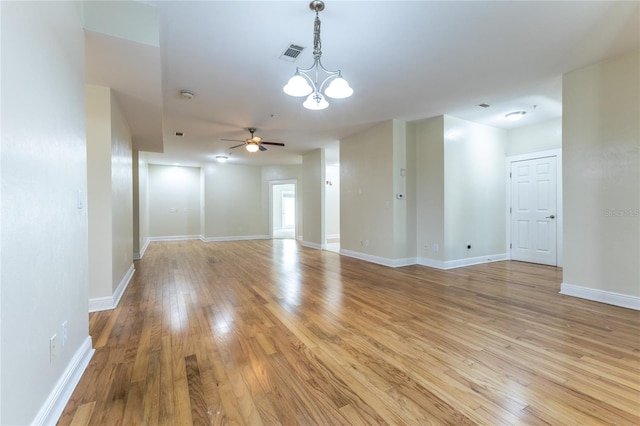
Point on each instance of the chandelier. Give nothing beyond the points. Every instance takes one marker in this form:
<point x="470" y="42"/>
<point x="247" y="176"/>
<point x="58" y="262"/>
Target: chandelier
<point x="306" y="82"/>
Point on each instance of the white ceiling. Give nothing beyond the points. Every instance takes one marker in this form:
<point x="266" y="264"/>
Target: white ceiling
<point x="404" y="60"/>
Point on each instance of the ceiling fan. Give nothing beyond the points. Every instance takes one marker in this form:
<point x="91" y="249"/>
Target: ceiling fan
<point x="254" y="143"/>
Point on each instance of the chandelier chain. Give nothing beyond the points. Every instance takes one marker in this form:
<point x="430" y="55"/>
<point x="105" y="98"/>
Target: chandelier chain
<point x="317" y="43"/>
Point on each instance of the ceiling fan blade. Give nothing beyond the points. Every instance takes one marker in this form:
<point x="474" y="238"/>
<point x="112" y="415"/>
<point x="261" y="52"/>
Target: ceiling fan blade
<point x="262" y="148"/>
<point x="236" y="146"/>
<point x="232" y="140"/>
<point x="273" y="143"/>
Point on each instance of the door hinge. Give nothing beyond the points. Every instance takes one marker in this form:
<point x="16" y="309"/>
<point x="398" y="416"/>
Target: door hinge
<point x="509" y="175"/>
<point x="510" y="245"/>
<point x="510" y="210"/>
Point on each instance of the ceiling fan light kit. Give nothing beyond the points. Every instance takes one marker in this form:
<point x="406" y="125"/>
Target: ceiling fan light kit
<point x="305" y="82"/>
<point x="254" y="143"/>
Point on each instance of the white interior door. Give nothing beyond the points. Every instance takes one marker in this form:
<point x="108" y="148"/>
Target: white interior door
<point x="534" y="210"/>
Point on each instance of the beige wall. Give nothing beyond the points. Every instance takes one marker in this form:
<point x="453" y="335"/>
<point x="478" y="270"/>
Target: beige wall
<point x="121" y="196"/>
<point x="174" y="201"/>
<point x="367" y="192"/>
<point x="474" y="189"/>
<point x="601" y="174"/>
<point x="233" y="202"/>
<point x="223" y="201"/>
<point x="110" y="195"/>
<point x="99" y="196"/>
<point x="460" y="192"/>
<point x="313" y="173"/>
<point x="332" y="201"/>
<point x="143" y="205"/>
<point x="377" y="194"/>
<point x="430" y="188"/>
<point x="535" y="138"/>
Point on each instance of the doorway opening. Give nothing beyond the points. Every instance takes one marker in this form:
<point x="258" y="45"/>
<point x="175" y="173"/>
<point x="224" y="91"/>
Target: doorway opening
<point x="283" y="210"/>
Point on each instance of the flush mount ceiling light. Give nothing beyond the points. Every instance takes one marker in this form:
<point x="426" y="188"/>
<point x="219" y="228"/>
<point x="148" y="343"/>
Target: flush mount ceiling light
<point x="515" y="116"/>
<point x="306" y="82"/>
<point x="186" y="94"/>
<point x="221" y="158"/>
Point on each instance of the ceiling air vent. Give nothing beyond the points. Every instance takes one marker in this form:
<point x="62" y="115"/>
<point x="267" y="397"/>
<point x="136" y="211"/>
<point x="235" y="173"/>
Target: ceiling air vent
<point x="292" y="52"/>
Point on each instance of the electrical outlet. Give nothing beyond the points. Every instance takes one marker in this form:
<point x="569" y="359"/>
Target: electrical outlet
<point x="436" y="247"/>
<point x="52" y="347"/>
<point x="64" y="333"/>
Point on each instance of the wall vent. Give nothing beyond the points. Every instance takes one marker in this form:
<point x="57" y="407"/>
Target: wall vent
<point x="291" y="52"/>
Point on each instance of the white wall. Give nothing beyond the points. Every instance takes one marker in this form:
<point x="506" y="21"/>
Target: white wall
<point x="174" y="201"/>
<point x="313" y="177"/>
<point x="601" y="174"/>
<point x="44" y="234"/>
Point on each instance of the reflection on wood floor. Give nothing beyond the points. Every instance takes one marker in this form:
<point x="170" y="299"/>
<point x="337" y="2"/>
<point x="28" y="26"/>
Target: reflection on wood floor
<point x="269" y="332"/>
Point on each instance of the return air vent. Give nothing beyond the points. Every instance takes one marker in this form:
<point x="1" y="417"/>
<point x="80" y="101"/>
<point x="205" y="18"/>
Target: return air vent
<point x="292" y="52"/>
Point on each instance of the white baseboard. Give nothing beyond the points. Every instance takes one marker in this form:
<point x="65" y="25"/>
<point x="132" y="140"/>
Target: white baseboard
<point x="52" y="409"/>
<point x="459" y="263"/>
<point x="313" y="245"/>
<point x="111" y="302"/>
<point x="176" y="238"/>
<point x="431" y="263"/>
<point x="602" y="296"/>
<point x="101" y="304"/>
<point x="393" y="263"/>
<point x="138" y="256"/>
<point x="117" y="295"/>
<point x="235" y="238"/>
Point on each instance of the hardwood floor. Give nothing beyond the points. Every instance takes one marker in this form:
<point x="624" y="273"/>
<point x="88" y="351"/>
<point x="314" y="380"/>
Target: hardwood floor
<point x="269" y="332"/>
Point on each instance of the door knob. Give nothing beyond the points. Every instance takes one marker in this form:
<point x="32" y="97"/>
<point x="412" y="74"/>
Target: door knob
<point x="551" y="217"/>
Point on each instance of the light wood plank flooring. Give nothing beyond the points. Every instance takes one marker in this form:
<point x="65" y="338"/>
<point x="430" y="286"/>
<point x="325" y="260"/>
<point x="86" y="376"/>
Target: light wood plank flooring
<point x="270" y="332"/>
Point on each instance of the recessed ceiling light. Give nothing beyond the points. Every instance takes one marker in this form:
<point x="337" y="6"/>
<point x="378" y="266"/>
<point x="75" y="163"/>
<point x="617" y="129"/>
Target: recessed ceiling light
<point x="222" y="158"/>
<point x="515" y="116"/>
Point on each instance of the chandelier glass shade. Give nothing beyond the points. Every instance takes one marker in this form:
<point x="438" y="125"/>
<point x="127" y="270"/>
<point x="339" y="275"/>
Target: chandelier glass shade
<point x="308" y="82"/>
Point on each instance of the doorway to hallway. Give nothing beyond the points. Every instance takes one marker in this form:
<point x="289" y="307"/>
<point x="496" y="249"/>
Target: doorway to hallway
<point x="283" y="210"/>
